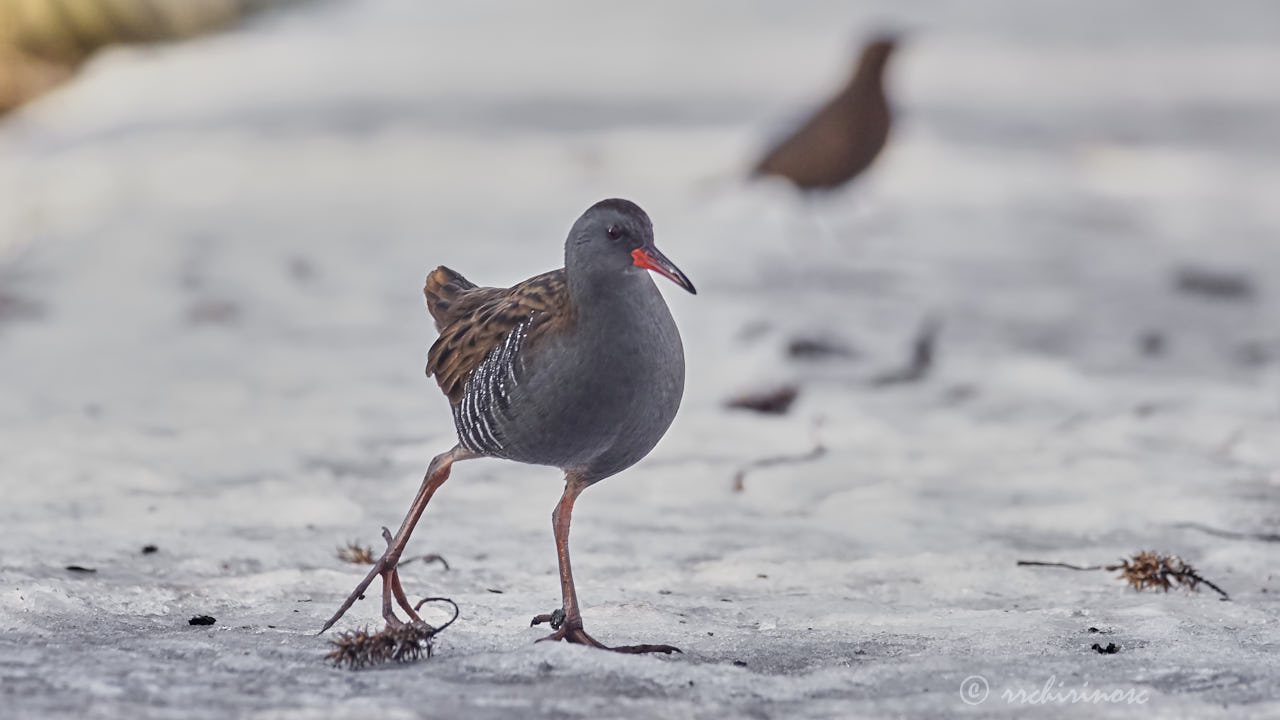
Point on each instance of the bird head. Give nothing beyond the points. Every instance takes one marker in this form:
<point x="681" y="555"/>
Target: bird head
<point x="614" y="238"/>
<point x="875" y="54"/>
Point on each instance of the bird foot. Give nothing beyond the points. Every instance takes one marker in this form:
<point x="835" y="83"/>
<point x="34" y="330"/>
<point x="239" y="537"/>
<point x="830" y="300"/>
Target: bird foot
<point x="573" y="633"/>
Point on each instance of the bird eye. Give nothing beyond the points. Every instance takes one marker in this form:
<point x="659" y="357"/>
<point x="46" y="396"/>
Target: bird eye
<point x="614" y="232"/>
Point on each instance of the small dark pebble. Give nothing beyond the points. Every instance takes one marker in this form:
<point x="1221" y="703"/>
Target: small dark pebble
<point x="213" y="311"/>
<point x="740" y="663"/>
<point x="1110" y="649"/>
<point x="81" y="569"/>
<point x="776" y="401"/>
<point x="300" y="269"/>
<point x="1146" y="409"/>
<point x="959" y="393"/>
<point x="753" y="330"/>
<point x="664" y="592"/>
<point x="1212" y="283"/>
<point x="1152" y="344"/>
<point x="1094" y="630"/>
<point x="149" y="549"/>
<point x="1256" y="353"/>
<point x="762" y="576"/>
<point x="202" y="620"/>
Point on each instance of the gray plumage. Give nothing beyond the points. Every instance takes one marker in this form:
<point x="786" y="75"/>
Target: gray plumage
<point x="589" y="377"/>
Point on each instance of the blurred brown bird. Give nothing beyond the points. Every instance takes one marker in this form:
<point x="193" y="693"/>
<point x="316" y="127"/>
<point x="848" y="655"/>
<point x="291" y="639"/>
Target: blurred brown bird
<point x="845" y="136"/>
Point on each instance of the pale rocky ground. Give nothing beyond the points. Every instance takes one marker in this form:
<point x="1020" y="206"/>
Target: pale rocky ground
<point x="212" y="339"/>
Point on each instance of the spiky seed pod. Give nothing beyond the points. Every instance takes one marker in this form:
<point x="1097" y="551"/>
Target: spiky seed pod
<point x="1151" y="570"/>
<point x="403" y="644"/>
<point x="356" y="554"/>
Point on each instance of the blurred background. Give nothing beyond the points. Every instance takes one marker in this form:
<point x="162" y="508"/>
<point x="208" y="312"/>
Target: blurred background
<point x="1021" y="137"/>
<point x="1031" y="305"/>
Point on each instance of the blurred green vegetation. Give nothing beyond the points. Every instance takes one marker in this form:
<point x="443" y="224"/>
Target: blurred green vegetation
<point x="43" y="42"/>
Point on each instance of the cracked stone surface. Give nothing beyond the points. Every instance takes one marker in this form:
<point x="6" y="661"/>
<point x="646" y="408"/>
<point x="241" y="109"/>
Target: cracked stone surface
<point x="212" y="339"/>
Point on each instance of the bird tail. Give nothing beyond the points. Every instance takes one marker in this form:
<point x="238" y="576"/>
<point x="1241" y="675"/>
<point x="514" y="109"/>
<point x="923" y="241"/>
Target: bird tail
<point x="443" y="289"/>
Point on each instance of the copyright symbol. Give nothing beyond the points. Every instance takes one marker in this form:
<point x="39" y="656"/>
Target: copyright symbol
<point x="974" y="690"/>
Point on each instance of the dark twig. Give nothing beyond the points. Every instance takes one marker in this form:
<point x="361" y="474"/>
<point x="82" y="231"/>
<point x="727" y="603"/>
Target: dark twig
<point x="1069" y="566"/>
<point x="424" y="601"/>
<point x="1230" y="534"/>
<point x="921" y="361"/>
<point x="816" y="452"/>
<point x="426" y="559"/>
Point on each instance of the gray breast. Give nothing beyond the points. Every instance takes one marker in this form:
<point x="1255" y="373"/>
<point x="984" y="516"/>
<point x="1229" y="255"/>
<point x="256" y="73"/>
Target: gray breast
<point x="595" y="398"/>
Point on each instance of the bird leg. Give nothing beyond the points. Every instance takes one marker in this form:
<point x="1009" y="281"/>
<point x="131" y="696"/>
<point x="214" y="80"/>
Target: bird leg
<point x="394" y="588"/>
<point x="567" y="621"/>
<point x="386" y="566"/>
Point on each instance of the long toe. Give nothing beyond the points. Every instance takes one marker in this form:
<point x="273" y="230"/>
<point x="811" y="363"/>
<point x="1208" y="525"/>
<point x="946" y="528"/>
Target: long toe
<point x="575" y="635"/>
<point x="641" y="649"/>
<point x="578" y="636"/>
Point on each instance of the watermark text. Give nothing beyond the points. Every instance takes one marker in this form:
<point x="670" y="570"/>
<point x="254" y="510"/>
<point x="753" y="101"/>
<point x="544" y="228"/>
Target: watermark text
<point x="975" y="690"/>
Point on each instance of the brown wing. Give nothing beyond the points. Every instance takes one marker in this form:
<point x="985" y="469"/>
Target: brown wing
<point x="474" y="320"/>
